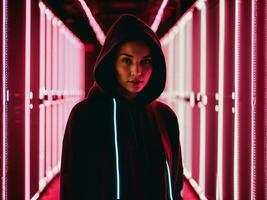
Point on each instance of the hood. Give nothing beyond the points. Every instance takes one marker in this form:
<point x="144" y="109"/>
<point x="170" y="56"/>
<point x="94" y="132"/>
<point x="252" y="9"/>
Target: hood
<point x="126" y="28"/>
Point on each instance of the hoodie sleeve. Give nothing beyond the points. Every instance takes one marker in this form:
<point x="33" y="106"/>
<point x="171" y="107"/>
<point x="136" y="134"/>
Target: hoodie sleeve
<point x="177" y="165"/>
<point x="67" y="159"/>
<point x="168" y="117"/>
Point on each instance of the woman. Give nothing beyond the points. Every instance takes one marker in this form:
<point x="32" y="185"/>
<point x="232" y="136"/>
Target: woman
<point x="120" y="143"/>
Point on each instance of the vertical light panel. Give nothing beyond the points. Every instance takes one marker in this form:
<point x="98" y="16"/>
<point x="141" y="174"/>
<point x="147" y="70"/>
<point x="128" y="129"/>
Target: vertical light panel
<point x="236" y="125"/>
<point x="179" y="78"/>
<point x="60" y="85"/>
<point x="41" y="97"/>
<point x="58" y="80"/>
<point x="253" y="96"/>
<point x="48" y="90"/>
<point x="220" y="100"/>
<point x="188" y="88"/>
<point x="196" y="33"/>
<point x="54" y="89"/>
<point x="4" y="100"/>
<point x="66" y="74"/>
<point x="27" y="97"/>
<point x="265" y="101"/>
<point x="202" y="92"/>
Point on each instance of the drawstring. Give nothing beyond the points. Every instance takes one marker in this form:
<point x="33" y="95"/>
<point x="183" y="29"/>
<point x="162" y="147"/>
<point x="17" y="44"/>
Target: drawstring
<point x="169" y="180"/>
<point x="116" y="147"/>
<point x="117" y="156"/>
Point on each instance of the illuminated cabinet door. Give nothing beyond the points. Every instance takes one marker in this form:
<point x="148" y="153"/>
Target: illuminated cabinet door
<point x="48" y="90"/>
<point x="42" y="96"/>
<point x="21" y="63"/>
<point x="2" y="92"/>
<point x="60" y="113"/>
<point x="34" y="99"/>
<point x="243" y="125"/>
<point x="211" y="89"/>
<point x="15" y="75"/>
<point x="54" y="93"/>
<point x="250" y="100"/>
<point x="195" y="89"/>
<point x="179" y="81"/>
<point x="259" y="119"/>
<point x="61" y="85"/>
<point x="188" y="95"/>
<point x="226" y="92"/>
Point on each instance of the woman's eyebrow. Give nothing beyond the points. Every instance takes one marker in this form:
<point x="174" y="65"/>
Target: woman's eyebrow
<point x="125" y="54"/>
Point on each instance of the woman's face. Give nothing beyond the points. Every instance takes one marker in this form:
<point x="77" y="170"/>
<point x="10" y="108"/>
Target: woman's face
<point x="133" y="66"/>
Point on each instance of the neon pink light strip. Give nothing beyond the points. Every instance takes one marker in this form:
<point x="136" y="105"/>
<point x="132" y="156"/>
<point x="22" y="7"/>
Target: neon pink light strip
<point x="4" y="103"/>
<point x="60" y="85"/>
<point x="158" y="17"/>
<point x="98" y="31"/>
<point x="27" y="98"/>
<point x="220" y="100"/>
<point x="48" y="90"/>
<point x="41" y="93"/>
<point x="236" y="123"/>
<point x="202" y="155"/>
<point x="253" y="96"/>
<point x="54" y="89"/>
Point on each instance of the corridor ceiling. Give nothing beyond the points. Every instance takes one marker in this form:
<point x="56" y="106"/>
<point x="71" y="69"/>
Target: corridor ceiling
<point x="107" y="11"/>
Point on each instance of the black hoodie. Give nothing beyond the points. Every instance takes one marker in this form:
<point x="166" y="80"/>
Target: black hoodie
<point x="115" y="149"/>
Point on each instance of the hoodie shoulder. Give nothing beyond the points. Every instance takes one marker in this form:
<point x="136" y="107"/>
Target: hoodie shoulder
<point x="94" y="102"/>
<point x="165" y="110"/>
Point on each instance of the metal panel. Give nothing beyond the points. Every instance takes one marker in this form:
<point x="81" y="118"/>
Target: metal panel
<point x="15" y="135"/>
<point x="34" y="99"/>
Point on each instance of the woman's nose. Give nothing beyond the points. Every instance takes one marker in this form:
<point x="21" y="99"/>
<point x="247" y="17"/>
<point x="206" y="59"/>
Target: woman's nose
<point x="136" y="70"/>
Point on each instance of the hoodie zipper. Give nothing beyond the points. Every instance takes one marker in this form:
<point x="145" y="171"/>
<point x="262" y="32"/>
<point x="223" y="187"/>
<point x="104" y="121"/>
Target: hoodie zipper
<point x="116" y="149"/>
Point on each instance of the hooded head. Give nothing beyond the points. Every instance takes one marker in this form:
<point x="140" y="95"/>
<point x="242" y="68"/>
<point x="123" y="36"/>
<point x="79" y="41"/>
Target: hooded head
<point x="129" y="28"/>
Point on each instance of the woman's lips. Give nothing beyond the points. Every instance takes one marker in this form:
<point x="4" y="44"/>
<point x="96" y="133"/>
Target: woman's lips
<point x="136" y="82"/>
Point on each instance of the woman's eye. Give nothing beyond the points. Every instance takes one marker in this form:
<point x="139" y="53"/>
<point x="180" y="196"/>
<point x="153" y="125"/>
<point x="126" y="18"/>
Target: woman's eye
<point x="126" y="61"/>
<point x="147" y="62"/>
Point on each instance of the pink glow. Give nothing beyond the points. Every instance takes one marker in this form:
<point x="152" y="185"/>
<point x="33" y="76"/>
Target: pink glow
<point x="158" y="17"/>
